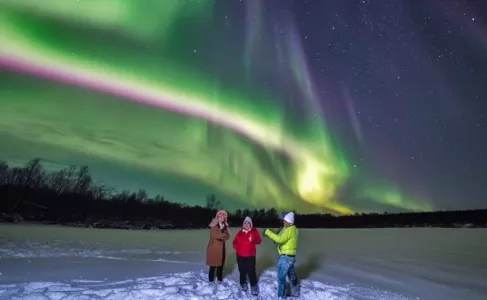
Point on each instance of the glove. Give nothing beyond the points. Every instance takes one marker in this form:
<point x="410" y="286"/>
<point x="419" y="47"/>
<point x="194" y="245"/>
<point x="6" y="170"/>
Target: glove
<point x="264" y="231"/>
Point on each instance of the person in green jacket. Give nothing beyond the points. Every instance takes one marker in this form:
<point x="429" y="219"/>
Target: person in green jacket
<point x="287" y="242"/>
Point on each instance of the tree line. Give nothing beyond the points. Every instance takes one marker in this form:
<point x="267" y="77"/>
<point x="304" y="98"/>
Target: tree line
<point x="70" y="196"/>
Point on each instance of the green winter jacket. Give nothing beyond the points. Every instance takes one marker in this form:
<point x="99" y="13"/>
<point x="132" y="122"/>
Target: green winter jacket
<point x="287" y="240"/>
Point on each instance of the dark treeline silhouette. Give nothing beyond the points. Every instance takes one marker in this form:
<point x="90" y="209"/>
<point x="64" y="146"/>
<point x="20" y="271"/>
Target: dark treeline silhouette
<point x="70" y="197"/>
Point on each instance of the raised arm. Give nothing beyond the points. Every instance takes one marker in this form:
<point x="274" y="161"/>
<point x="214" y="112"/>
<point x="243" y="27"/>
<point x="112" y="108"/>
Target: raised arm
<point x="227" y="234"/>
<point x="278" y="238"/>
<point x="216" y="234"/>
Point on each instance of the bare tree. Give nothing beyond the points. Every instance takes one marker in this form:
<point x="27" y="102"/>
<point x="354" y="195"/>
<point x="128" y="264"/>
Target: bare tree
<point x="142" y="196"/>
<point x="212" y="202"/>
<point x="30" y="176"/>
<point x="58" y="181"/>
<point x="3" y="172"/>
<point x="83" y="181"/>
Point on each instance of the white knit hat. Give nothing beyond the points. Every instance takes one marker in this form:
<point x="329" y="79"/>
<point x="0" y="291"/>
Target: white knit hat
<point x="248" y="219"/>
<point x="289" y="217"/>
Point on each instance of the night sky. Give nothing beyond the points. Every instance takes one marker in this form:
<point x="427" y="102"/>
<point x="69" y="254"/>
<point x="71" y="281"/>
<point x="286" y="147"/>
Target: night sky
<point x="338" y="106"/>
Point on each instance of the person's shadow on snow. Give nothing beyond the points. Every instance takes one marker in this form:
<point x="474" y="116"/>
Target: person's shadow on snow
<point x="263" y="263"/>
<point x="313" y="263"/>
<point x="303" y="271"/>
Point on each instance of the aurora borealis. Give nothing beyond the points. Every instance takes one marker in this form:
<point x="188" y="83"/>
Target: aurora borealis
<point x="187" y="98"/>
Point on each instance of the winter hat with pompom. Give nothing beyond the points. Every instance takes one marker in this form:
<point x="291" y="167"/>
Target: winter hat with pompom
<point x="289" y="217"/>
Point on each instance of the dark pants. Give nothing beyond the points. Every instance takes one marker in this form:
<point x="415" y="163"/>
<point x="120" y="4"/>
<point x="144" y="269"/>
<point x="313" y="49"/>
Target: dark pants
<point x="219" y="273"/>
<point x="246" y="267"/>
<point x="219" y="270"/>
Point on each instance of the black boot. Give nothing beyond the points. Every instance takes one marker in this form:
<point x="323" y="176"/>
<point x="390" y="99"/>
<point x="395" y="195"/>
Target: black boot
<point x="255" y="290"/>
<point x="244" y="287"/>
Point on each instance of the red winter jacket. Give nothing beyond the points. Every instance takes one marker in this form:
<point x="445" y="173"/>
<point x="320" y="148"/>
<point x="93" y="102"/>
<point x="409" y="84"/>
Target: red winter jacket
<point x="244" y="242"/>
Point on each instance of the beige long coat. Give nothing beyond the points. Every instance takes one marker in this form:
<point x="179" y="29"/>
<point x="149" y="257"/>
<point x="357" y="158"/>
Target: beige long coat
<point x="216" y="244"/>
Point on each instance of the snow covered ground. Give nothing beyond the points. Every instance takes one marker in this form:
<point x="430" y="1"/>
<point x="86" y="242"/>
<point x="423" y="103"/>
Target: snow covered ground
<point x="188" y="285"/>
<point x="51" y="262"/>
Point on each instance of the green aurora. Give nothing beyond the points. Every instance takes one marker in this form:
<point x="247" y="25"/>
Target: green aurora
<point x="137" y="86"/>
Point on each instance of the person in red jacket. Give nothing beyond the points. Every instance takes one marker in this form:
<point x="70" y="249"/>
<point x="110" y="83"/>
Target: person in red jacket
<point x="244" y="244"/>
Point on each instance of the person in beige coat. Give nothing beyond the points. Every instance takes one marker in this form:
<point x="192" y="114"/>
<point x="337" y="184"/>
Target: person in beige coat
<point x="216" y="251"/>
